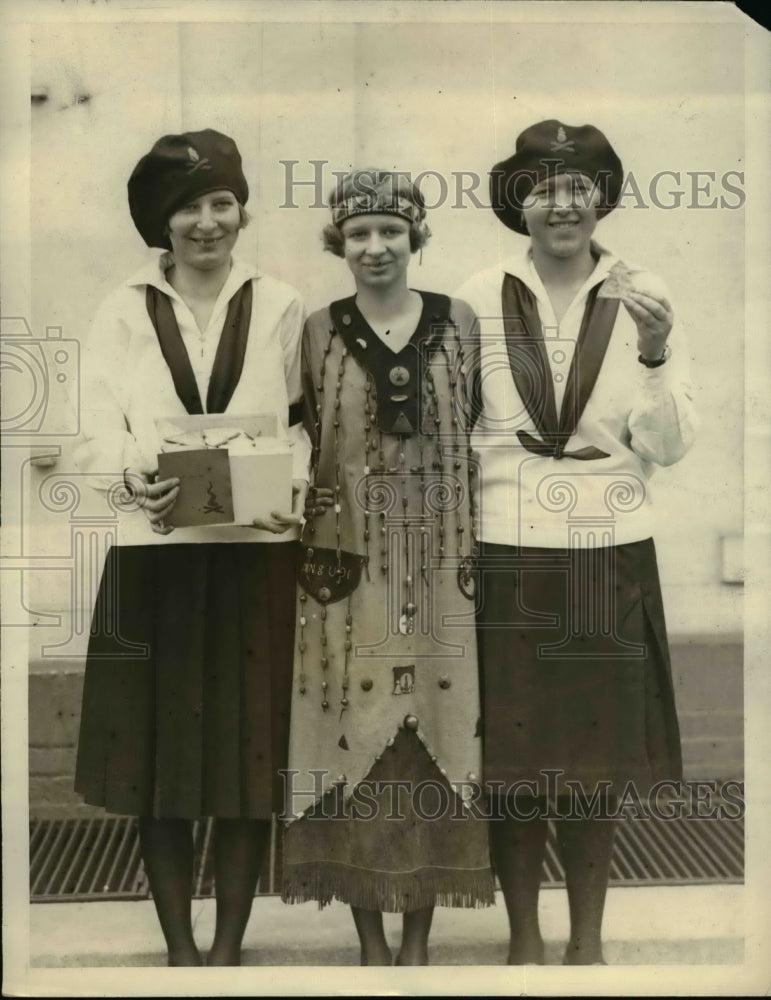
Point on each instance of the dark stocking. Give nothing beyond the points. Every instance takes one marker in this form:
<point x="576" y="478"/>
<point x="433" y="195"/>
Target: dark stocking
<point x="518" y="847"/>
<point x="167" y="852"/>
<point x="586" y="847"/>
<point x="239" y="848"/>
<point x="416" y="926"/>
<point x="369" y="926"/>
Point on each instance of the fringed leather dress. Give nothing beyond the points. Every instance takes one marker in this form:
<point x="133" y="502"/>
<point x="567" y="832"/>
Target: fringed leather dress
<point x="385" y="745"/>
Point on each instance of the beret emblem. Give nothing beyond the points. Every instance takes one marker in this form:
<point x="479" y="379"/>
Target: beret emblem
<point x="196" y="162"/>
<point x="562" y="143"/>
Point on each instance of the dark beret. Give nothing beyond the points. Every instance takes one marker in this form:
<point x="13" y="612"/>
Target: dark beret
<point x="177" y="169"/>
<point x="545" y="150"/>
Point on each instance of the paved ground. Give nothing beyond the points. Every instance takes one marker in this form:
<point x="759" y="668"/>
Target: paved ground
<point x="688" y="925"/>
<point x="686" y="941"/>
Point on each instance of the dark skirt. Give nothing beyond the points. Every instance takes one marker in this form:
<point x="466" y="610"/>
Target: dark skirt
<point x="574" y="669"/>
<point x="188" y="681"/>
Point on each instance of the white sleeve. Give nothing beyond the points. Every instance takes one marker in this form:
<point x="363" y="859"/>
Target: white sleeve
<point x="291" y="329"/>
<point x="105" y="446"/>
<point x="663" y="421"/>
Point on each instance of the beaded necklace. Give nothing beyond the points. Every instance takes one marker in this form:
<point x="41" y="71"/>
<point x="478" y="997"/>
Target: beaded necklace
<point x="442" y="494"/>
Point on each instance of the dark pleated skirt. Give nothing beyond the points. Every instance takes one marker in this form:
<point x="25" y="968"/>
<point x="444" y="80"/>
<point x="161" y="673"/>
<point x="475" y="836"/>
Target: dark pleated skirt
<point x="188" y="681"/>
<point x="574" y="669"/>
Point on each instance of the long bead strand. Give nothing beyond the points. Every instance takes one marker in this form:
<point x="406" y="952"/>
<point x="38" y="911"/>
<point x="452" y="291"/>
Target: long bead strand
<point x="348" y="646"/>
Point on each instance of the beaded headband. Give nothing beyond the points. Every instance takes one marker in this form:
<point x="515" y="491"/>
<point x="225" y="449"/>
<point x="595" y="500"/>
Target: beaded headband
<point x="377" y="201"/>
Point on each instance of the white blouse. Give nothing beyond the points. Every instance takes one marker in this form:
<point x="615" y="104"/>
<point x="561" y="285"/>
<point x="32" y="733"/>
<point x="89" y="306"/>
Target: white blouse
<point x="642" y="417"/>
<point x="126" y="385"/>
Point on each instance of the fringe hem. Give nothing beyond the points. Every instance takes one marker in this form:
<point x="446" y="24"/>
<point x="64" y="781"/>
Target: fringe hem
<point x="389" y="893"/>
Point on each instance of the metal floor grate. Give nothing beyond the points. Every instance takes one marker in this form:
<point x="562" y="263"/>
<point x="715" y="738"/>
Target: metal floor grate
<point x="98" y="858"/>
<point x="84" y="859"/>
<point x="667" y="852"/>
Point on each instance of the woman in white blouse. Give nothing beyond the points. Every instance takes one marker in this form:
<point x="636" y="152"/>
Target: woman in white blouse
<point x="188" y="676"/>
<point x="584" y="390"/>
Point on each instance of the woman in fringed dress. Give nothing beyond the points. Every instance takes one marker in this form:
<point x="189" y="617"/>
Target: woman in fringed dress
<point x="385" y="742"/>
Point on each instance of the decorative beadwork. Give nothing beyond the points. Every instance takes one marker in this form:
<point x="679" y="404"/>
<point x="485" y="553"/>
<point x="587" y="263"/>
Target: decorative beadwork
<point x="408" y="607"/>
<point x="432" y="424"/>
<point x="344" y="702"/>
<point x="383" y="543"/>
<point x="462" y="403"/>
<point x="302" y="646"/>
<point x="368" y="414"/>
<point x="338" y="487"/>
<point x="432" y="528"/>
<point x="324" y="657"/>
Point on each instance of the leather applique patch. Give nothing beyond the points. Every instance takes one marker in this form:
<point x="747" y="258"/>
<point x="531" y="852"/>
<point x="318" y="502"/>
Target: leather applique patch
<point x="404" y="679"/>
<point x="328" y="577"/>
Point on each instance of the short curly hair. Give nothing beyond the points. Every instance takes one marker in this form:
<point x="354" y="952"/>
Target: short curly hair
<point x="370" y="180"/>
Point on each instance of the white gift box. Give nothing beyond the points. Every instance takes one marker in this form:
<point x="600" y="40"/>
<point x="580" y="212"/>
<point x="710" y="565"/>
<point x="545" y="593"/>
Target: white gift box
<point x="260" y="479"/>
<point x="255" y="481"/>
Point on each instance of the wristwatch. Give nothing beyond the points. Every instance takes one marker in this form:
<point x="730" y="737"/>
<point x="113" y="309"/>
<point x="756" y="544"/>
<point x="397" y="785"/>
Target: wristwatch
<point x="658" y="361"/>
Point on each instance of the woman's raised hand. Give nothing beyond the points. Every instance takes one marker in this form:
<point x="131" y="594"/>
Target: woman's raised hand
<point x="155" y="499"/>
<point x="653" y="317"/>
<point x="278" y="523"/>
